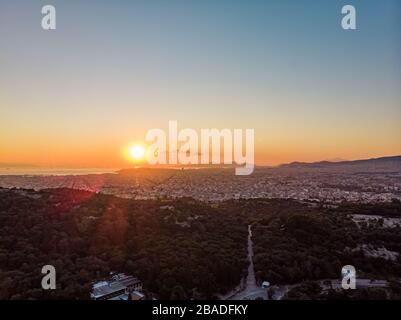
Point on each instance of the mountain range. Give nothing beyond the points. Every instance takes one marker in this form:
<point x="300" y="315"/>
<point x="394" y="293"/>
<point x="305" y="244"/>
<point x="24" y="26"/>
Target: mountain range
<point x="386" y="164"/>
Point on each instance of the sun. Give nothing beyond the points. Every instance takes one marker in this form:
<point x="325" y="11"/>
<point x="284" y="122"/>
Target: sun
<point x="137" y="152"/>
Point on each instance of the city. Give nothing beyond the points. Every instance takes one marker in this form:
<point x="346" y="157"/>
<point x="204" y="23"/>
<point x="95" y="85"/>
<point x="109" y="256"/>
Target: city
<point x="328" y="184"/>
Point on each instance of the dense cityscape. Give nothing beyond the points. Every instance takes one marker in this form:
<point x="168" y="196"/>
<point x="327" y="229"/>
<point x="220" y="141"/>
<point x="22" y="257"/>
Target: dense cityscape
<point x="331" y="184"/>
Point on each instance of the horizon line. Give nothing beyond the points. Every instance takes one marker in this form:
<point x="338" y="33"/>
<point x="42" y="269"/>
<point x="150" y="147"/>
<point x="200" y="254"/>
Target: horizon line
<point x="5" y="166"/>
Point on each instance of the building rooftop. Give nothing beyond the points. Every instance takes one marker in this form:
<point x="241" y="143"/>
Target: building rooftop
<point x="119" y="282"/>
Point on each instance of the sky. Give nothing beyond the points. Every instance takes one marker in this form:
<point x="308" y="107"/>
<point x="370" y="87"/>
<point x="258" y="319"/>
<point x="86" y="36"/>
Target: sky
<point x="79" y="95"/>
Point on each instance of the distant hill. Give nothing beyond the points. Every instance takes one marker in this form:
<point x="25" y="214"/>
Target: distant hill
<point x="386" y="164"/>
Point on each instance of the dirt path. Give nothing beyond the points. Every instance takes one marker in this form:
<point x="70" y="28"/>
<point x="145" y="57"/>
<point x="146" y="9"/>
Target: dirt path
<point x="250" y="289"/>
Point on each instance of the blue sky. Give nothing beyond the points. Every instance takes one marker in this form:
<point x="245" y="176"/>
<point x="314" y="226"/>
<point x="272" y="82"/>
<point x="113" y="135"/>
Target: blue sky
<point x="114" y="69"/>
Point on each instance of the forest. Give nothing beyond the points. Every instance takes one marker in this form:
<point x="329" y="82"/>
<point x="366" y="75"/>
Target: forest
<point x="318" y="241"/>
<point x="182" y="248"/>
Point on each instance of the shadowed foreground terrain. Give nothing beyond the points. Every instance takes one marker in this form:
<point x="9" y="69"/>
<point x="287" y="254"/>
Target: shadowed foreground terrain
<point x="184" y="249"/>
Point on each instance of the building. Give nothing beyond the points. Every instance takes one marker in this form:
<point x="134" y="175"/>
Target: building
<point x="119" y="285"/>
<point x="136" y="295"/>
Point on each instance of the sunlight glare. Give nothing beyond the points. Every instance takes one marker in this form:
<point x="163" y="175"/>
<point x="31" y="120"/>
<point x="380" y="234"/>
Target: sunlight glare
<point x="137" y="152"/>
